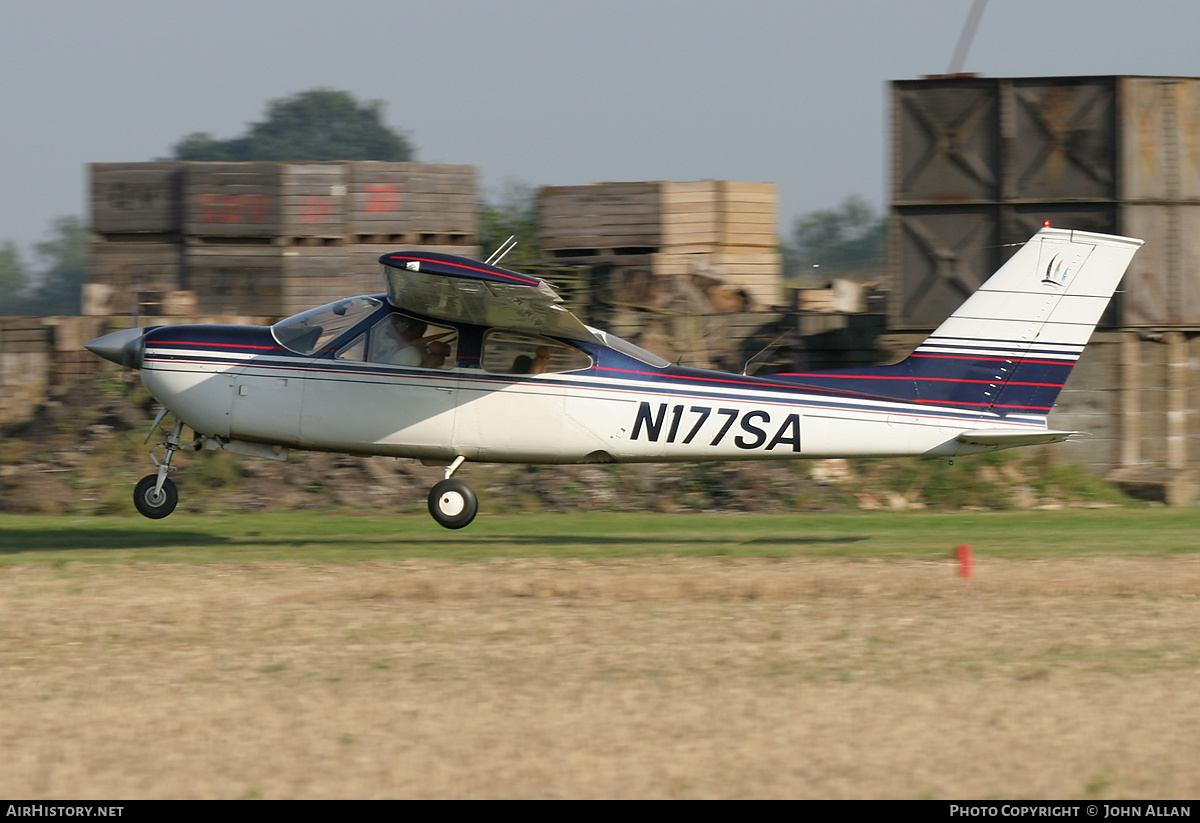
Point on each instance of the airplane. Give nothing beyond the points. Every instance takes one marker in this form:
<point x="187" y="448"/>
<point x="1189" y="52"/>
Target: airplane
<point x="462" y="360"/>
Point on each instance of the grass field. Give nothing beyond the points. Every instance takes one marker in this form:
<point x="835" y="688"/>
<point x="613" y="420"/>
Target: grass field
<point x="326" y="537"/>
<point x="614" y="655"/>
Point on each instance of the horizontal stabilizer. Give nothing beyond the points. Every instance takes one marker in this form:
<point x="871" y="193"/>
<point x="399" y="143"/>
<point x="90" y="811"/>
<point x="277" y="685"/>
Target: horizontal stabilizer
<point x="1006" y="438"/>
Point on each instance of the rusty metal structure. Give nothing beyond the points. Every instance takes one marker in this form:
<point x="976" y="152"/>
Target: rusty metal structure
<point x="979" y="164"/>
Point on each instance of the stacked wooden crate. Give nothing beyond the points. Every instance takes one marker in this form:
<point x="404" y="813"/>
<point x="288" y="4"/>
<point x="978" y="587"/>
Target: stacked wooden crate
<point x="137" y="225"/>
<point x="416" y="204"/>
<point x="291" y="203"/>
<point x="406" y="207"/>
<point x="664" y="255"/>
<point x="718" y="229"/>
<point x="264" y="238"/>
<point x="275" y="239"/>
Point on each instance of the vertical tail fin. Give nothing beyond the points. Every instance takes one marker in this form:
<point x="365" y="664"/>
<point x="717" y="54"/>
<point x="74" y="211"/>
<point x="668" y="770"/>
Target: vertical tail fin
<point x="1007" y="351"/>
<point x="1010" y="347"/>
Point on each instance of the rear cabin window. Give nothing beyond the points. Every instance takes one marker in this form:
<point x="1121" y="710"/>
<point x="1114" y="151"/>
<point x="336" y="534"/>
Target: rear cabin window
<point x="506" y="352"/>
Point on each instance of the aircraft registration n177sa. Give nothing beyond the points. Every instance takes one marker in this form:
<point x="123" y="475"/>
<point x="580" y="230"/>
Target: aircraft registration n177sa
<point x="466" y="361"/>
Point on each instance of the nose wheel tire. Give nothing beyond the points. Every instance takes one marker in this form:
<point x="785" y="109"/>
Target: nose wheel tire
<point x="452" y="504"/>
<point x="151" y="504"/>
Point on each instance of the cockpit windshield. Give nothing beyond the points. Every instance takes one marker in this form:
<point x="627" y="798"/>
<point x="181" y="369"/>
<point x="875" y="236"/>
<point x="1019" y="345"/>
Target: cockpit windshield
<point x="310" y="331"/>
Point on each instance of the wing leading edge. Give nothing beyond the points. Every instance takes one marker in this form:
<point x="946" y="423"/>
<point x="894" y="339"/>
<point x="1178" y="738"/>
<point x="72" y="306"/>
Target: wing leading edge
<point x="448" y="287"/>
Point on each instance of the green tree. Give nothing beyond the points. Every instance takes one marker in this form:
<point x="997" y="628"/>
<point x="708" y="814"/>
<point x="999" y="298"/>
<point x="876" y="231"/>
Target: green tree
<point x="63" y="270"/>
<point x="846" y="241"/>
<point x="13" y="280"/>
<point x="321" y="124"/>
<point x="203" y="146"/>
<point x="513" y="213"/>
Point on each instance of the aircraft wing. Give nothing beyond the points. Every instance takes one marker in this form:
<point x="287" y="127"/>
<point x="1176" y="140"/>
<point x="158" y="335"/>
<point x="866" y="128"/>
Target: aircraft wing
<point x="448" y="287"/>
<point x="1005" y="438"/>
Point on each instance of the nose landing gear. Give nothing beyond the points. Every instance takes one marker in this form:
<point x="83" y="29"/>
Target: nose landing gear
<point x="155" y="495"/>
<point x="153" y="500"/>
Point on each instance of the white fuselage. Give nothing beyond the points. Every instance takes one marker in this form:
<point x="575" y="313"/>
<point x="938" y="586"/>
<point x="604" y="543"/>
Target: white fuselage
<point x="587" y="416"/>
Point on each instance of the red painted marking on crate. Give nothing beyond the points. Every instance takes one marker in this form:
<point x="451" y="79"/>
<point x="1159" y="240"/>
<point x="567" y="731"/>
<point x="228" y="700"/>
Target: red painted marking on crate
<point x="234" y="208"/>
<point x="383" y="198"/>
<point x="316" y="208"/>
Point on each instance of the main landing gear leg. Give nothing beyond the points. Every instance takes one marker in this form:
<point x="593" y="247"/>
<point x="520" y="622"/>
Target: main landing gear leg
<point x="155" y="495"/>
<point x="451" y="502"/>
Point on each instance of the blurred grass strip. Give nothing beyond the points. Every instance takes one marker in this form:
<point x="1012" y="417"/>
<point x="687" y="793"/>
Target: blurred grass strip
<point x="319" y="537"/>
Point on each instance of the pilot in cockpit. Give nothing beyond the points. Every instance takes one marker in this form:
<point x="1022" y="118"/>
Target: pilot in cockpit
<point x="401" y="341"/>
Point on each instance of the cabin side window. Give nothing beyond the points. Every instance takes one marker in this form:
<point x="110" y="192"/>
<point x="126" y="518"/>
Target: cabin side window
<point x="399" y="340"/>
<point x="506" y="352"/>
<point x="356" y="349"/>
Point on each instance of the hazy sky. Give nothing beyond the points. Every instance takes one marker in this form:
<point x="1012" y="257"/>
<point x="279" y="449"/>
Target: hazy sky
<point x="541" y="92"/>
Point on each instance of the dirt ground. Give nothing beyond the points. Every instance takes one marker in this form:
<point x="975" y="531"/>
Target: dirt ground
<point x="562" y="679"/>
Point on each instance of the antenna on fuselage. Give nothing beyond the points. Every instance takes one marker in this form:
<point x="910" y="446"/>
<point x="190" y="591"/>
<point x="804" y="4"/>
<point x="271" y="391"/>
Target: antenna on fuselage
<point x="504" y="249"/>
<point x="770" y="346"/>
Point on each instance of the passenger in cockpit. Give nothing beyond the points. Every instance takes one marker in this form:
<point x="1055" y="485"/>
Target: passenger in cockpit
<point x="541" y="360"/>
<point x="439" y="350"/>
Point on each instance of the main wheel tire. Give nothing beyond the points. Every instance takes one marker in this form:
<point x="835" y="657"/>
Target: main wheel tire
<point x="452" y="504"/>
<point x="155" y="506"/>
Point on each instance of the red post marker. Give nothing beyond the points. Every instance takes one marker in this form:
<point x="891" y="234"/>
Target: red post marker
<point x="964" y="561"/>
